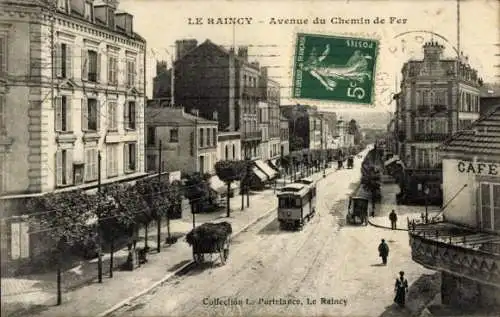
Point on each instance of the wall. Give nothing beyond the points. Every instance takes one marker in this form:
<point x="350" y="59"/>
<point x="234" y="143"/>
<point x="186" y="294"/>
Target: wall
<point x="221" y="153"/>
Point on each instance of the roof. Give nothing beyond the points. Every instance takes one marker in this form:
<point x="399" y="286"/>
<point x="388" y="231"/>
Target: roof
<point x="482" y="138"/>
<point x="293" y="187"/>
<point x="490" y="91"/>
<point x="174" y="116"/>
<point x="307" y="180"/>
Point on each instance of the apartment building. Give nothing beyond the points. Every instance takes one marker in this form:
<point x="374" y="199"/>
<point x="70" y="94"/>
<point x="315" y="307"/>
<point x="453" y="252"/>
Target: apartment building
<point x="439" y="96"/>
<point x="272" y="97"/>
<point x="71" y="87"/>
<point x="284" y="136"/>
<point x="188" y="141"/>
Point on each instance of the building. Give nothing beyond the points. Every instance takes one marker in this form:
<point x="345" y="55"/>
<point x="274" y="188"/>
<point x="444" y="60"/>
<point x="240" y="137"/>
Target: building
<point x="344" y="139"/>
<point x="329" y="129"/>
<point x="465" y="244"/>
<point x="188" y="141"/>
<point x="435" y="101"/>
<point x="305" y="127"/>
<point x="263" y="118"/>
<point x="79" y="97"/>
<point x="489" y="97"/>
<point x="216" y="82"/>
<point x="271" y="95"/>
<point x="228" y="146"/>
<point x="284" y="137"/>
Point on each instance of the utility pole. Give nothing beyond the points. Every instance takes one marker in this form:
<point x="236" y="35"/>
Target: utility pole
<point x="172" y="79"/>
<point x="158" y="214"/>
<point x="99" y="249"/>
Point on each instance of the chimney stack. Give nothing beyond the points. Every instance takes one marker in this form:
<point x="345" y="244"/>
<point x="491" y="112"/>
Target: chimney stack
<point x="243" y="53"/>
<point x="216" y="116"/>
<point x="161" y="67"/>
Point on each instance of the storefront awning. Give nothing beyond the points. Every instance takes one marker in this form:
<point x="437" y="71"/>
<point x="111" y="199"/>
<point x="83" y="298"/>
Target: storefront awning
<point x="219" y="186"/>
<point x="259" y="174"/>
<point x="274" y="164"/>
<point x="271" y="173"/>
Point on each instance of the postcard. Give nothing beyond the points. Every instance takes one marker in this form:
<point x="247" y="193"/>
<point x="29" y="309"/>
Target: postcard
<point x="249" y="158"/>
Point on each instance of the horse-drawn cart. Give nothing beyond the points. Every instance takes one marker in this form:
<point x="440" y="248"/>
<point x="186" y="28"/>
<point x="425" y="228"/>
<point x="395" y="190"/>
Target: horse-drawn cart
<point x="212" y="240"/>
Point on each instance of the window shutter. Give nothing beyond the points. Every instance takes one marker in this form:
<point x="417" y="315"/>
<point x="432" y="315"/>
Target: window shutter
<point x="85" y="64"/>
<point x="69" y="61"/>
<point x="59" y="167"/>
<point x="88" y="165"/>
<point x="125" y="115"/>
<point x="69" y="167"/>
<point x="69" y="109"/>
<point x="98" y="67"/>
<point x="58" y="113"/>
<point x="125" y="157"/>
<point x="95" y="171"/>
<point x="98" y="114"/>
<point x="85" y="112"/>
<point x="58" y="59"/>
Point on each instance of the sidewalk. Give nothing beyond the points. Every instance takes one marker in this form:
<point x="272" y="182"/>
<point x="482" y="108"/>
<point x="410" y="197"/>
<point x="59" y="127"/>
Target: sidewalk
<point x="36" y="295"/>
<point x="404" y="212"/>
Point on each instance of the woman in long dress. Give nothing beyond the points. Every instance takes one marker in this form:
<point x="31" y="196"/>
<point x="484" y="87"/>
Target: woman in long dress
<point x="401" y="288"/>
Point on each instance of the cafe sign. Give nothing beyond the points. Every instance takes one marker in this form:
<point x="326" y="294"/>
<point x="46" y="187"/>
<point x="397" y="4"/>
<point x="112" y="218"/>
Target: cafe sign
<point x="478" y="168"/>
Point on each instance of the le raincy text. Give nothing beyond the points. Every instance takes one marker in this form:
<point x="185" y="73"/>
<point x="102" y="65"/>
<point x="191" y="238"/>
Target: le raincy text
<point x="295" y="20"/>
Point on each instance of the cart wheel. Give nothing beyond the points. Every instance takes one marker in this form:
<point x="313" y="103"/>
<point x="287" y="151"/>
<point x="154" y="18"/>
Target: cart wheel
<point x="198" y="257"/>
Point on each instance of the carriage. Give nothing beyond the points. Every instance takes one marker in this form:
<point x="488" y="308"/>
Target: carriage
<point x="296" y="205"/>
<point x="210" y="240"/>
<point x="357" y="211"/>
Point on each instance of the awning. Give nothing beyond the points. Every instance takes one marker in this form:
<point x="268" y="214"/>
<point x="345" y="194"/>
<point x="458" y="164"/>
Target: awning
<point x="274" y="164"/>
<point x="259" y="174"/>
<point x="271" y="173"/>
<point x="219" y="186"/>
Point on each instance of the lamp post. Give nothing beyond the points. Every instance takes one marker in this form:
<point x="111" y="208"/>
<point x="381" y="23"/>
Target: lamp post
<point x="426" y="192"/>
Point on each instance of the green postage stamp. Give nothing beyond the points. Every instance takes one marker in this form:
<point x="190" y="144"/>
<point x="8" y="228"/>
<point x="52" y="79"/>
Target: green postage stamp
<point x="334" y="68"/>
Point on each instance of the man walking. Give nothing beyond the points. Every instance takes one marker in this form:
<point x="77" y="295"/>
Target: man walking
<point x="394" y="219"/>
<point x="383" y="251"/>
<point x="401" y="288"/>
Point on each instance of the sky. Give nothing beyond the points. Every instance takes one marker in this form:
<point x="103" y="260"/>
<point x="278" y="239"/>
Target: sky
<point x="162" y="22"/>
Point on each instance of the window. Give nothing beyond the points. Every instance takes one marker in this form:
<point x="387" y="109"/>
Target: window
<point x="20" y="248"/>
<point x="112" y="160"/>
<point x="112" y="115"/>
<point x="151" y="137"/>
<point x="441" y="98"/>
<point x="112" y="70"/>
<point x="174" y="135"/>
<point x="201" y="137"/>
<point x="234" y="152"/>
<point x="89" y="11"/>
<point x="63" y="114"/>
<point x="61" y="4"/>
<point x="3" y="55"/>
<point x="129" y="113"/>
<point x="91" y="172"/>
<point x="131" y="72"/>
<point x="226" y="152"/>
<point x="130" y="156"/>
<point x="151" y="162"/>
<point x="207" y="138"/>
<point x="91" y="65"/>
<point x="64" y="167"/>
<point x="63" y="60"/>
<point x="490" y="206"/>
<point x="90" y="115"/>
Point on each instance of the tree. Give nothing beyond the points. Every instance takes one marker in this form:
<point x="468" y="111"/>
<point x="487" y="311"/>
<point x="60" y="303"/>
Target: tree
<point x="196" y="190"/>
<point x="175" y="197"/>
<point x="65" y="218"/>
<point x="228" y="172"/>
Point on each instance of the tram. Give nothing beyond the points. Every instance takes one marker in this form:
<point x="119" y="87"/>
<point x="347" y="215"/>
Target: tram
<point x="296" y="205"/>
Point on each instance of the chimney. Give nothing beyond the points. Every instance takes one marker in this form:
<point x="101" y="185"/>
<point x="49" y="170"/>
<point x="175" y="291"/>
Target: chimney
<point x="263" y="72"/>
<point x="124" y="22"/>
<point x="243" y="53"/>
<point x="255" y="64"/>
<point x="433" y="51"/>
<point x="195" y="112"/>
<point x="161" y="67"/>
<point x="182" y="47"/>
<point x="215" y="116"/>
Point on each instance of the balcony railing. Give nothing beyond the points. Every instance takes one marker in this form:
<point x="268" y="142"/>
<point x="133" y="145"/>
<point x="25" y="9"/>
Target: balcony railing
<point x="431" y="108"/>
<point x="440" y="137"/>
<point x="251" y="136"/>
<point x="252" y="91"/>
<point x="466" y="252"/>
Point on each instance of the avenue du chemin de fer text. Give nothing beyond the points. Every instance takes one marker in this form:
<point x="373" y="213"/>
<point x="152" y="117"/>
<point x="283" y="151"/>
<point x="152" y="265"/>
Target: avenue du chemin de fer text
<point x="295" y="20"/>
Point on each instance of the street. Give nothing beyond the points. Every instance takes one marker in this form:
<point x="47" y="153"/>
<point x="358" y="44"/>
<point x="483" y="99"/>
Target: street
<point x="328" y="269"/>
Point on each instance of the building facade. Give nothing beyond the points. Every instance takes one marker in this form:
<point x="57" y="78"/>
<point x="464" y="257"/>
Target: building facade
<point x="263" y="119"/>
<point x="464" y="246"/>
<point x="74" y="73"/>
<point x="438" y="97"/>
<point x="188" y="142"/>
<point x="284" y="137"/>
<point x="228" y="146"/>
<point x="271" y="95"/>
<point x="305" y="127"/>
<point x="343" y="138"/>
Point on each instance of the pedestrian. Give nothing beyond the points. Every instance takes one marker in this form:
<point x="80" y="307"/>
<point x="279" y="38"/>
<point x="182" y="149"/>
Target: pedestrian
<point x="394" y="219"/>
<point x="401" y="288"/>
<point x="383" y="251"/>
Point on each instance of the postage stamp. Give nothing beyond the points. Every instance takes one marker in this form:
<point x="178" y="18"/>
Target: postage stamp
<point x="334" y="68"/>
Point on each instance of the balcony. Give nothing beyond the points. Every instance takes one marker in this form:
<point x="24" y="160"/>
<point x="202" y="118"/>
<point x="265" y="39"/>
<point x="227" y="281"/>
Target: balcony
<point x="252" y="91"/>
<point x="431" y="109"/>
<point x="458" y="250"/>
<point x="251" y="136"/>
<point x="430" y="137"/>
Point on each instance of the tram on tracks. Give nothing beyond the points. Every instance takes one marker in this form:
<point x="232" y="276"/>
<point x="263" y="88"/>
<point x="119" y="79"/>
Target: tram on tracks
<point x="296" y="205"/>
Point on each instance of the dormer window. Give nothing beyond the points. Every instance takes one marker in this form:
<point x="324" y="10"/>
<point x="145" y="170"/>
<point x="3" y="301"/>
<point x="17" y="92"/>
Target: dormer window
<point x="89" y="12"/>
<point x="111" y="18"/>
<point x="62" y="5"/>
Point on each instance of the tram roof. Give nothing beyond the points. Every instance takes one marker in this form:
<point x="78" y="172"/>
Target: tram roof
<point x="294" y="189"/>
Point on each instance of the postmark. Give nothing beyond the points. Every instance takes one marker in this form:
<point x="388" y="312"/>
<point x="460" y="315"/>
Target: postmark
<point x="334" y="68"/>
